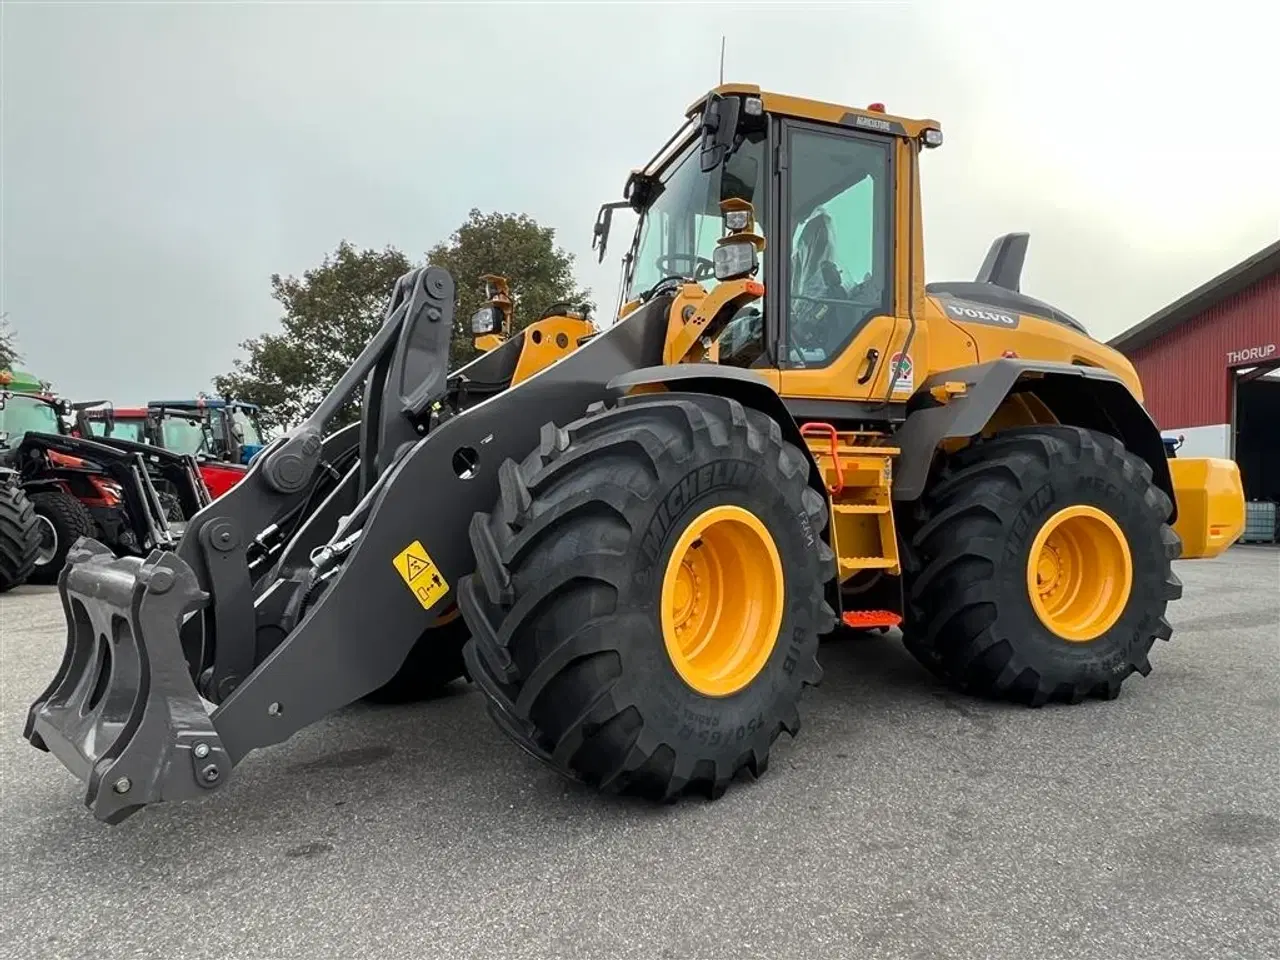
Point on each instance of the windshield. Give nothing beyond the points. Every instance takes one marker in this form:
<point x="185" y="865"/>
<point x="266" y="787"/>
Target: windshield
<point x="248" y="427"/>
<point x="22" y="415"/>
<point x="677" y="234"/>
<point x="182" y="434"/>
<point x="131" y="429"/>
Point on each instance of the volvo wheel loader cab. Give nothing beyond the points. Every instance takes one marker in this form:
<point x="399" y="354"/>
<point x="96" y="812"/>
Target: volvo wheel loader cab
<point x="647" y="528"/>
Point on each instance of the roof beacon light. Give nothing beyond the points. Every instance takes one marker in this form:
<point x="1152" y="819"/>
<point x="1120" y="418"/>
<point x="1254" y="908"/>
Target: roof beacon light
<point x="875" y="107"/>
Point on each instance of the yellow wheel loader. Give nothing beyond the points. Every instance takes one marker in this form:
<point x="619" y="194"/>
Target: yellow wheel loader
<point x="632" y="538"/>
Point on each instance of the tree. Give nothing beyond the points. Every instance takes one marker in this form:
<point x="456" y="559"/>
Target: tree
<point x="333" y="310"/>
<point x="8" y="346"/>
<point x="330" y="313"/>
<point x="516" y="247"/>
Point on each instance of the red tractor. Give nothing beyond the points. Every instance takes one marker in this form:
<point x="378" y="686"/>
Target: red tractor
<point x="222" y="435"/>
<point x="134" y="497"/>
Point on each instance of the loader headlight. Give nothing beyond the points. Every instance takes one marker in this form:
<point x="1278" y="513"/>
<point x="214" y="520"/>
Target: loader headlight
<point x="486" y="320"/>
<point x="735" y="260"/>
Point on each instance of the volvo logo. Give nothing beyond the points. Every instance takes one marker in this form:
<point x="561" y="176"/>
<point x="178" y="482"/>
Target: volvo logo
<point x="977" y="313"/>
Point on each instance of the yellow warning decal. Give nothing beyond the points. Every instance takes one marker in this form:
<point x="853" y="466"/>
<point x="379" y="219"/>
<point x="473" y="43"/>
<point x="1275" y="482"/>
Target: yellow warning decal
<point x="419" y="571"/>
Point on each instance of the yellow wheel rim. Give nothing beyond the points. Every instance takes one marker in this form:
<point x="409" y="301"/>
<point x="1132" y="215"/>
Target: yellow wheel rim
<point x="1079" y="573"/>
<point x="722" y="600"/>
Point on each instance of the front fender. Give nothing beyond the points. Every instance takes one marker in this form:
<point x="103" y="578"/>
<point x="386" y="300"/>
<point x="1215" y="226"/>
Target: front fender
<point x="748" y="388"/>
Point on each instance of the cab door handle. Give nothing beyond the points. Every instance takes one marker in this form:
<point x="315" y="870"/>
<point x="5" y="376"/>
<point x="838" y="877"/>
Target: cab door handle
<point x="872" y="356"/>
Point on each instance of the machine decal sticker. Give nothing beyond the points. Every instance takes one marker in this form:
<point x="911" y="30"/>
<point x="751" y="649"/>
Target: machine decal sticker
<point x="419" y="571"/>
<point x="906" y="380"/>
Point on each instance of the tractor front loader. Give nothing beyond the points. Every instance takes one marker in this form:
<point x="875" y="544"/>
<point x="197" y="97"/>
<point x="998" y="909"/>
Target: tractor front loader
<point x="632" y="539"/>
<point x="131" y="496"/>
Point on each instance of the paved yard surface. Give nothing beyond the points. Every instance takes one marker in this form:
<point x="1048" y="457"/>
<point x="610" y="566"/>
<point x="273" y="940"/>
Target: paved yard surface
<point x="904" y="822"/>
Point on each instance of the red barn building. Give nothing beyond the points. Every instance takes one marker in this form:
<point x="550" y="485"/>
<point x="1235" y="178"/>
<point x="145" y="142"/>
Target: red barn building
<point x="1210" y="369"/>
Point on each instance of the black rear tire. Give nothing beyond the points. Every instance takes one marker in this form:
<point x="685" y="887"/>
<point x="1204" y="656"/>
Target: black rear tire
<point x="66" y="519"/>
<point x="971" y="619"/>
<point x="434" y="662"/>
<point x="564" y="609"/>
<point x="19" y="536"/>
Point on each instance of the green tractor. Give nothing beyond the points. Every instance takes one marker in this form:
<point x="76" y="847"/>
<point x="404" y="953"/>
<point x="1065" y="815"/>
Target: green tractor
<point x="19" y="525"/>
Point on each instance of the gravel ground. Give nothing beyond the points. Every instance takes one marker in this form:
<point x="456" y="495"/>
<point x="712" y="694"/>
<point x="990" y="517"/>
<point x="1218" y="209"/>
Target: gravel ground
<point x="904" y="822"/>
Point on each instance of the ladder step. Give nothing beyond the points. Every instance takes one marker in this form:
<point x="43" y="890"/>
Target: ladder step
<point x="867" y="619"/>
<point x="848" y="564"/>
<point x="857" y="452"/>
<point x="863" y="508"/>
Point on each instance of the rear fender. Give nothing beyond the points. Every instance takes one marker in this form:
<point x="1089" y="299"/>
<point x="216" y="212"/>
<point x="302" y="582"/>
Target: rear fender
<point x="46" y="485"/>
<point x="1079" y="396"/>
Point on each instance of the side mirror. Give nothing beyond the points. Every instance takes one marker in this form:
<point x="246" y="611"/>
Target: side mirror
<point x="604" y="221"/>
<point x="719" y="128"/>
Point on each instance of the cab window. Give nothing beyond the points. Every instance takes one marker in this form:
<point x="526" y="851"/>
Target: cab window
<point x="839" y="200"/>
<point x="120" y="430"/>
<point x="678" y="232"/>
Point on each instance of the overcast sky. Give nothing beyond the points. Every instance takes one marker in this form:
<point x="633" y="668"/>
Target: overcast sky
<point x="160" y="162"/>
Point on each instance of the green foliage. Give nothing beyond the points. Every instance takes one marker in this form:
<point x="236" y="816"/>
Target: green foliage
<point x="330" y="313"/>
<point x="516" y="247"/>
<point x="333" y="310"/>
<point x="8" y="345"/>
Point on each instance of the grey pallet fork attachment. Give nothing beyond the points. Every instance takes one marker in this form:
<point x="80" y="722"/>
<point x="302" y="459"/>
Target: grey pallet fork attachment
<point x="299" y="608"/>
<point x="129" y="608"/>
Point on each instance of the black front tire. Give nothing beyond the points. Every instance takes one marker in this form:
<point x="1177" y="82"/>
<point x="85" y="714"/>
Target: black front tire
<point x="19" y="536"/>
<point x="564" y="610"/>
<point x="67" y="521"/>
<point x="971" y="620"/>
